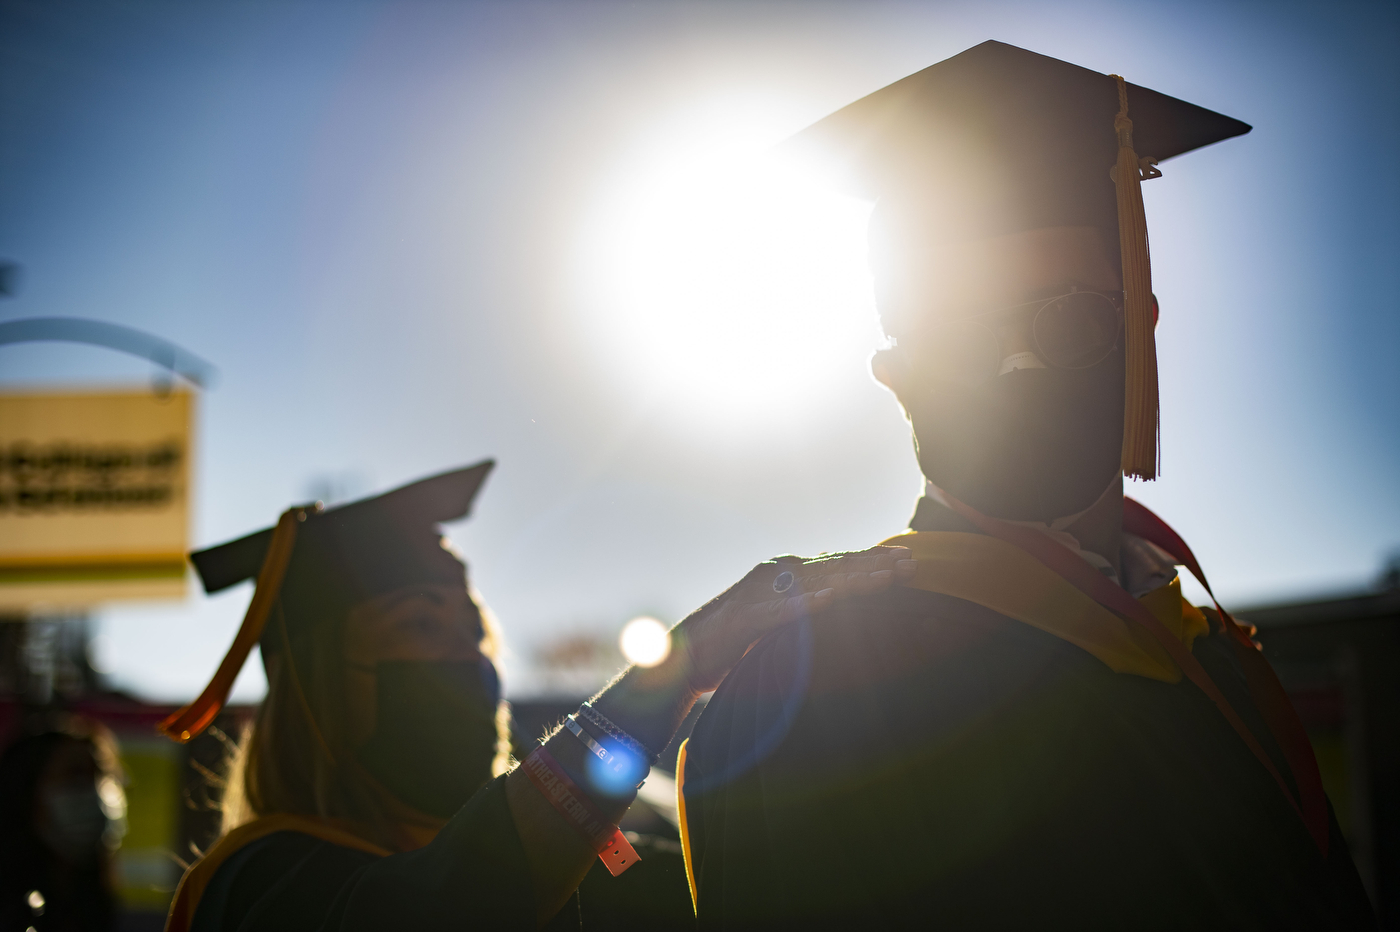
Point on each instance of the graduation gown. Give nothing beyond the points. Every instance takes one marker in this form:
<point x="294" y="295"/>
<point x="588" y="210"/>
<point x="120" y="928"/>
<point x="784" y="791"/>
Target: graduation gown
<point x="913" y="757"/>
<point x="293" y="873"/>
<point x="303" y="877"/>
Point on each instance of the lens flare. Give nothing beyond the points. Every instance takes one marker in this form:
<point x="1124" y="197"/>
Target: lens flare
<point x="645" y="642"/>
<point x="609" y="782"/>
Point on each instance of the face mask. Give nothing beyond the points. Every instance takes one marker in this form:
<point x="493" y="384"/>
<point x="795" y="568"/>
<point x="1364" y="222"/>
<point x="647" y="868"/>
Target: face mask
<point x="1030" y="445"/>
<point x="75" y="823"/>
<point x="434" y="731"/>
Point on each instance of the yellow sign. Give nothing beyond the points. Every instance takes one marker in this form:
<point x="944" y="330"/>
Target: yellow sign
<point x="146" y="867"/>
<point x="94" y="497"/>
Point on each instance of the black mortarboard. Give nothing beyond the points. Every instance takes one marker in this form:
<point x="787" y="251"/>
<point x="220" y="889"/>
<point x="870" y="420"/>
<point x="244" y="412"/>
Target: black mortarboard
<point x="316" y="564"/>
<point x="378" y="542"/>
<point x="999" y="140"/>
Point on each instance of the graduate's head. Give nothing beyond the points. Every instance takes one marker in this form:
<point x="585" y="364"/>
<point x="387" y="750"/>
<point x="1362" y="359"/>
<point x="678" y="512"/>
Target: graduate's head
<point x="422" y="699"/>
<point x="1010" y="371"/>
<point x="381" y="689"/>
<point x="1011" y="267"/>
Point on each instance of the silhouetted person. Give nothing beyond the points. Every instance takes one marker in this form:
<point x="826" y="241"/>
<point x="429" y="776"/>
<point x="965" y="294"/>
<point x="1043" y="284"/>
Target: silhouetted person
<point x="1038" y="731"/>
<point x="372" y="791"/>
<point x="59" y="795"/>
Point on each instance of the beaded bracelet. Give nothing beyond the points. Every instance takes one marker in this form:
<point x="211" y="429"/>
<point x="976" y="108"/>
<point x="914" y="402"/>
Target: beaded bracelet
<point x="623" y="767"/>
<point x="593" y="716"/>
<point x="613" y="849"/>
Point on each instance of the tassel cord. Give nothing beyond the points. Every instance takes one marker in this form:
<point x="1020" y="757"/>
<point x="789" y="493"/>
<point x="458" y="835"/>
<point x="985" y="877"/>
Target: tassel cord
<point x="198" y="715"/>
<point x="1141" y="431"/>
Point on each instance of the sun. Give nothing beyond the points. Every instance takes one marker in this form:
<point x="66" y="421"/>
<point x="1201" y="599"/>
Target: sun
<point x="715" y="272"/>
<point x="645" y="642"/>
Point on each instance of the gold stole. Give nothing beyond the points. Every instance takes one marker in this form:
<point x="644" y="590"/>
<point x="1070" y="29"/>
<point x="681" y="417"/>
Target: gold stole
<point x="1006" y="579"/>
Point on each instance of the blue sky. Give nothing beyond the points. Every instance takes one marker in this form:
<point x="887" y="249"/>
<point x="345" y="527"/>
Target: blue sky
<point x="394" y="227"/>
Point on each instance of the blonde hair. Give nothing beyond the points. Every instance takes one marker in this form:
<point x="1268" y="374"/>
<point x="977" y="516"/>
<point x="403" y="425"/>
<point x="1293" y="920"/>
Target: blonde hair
<point x="295" y="757"/>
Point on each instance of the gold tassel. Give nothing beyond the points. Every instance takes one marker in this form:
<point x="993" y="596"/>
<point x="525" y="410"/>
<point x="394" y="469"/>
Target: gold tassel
<point x="187" y="723"/>
<point x="1140" y="408"/>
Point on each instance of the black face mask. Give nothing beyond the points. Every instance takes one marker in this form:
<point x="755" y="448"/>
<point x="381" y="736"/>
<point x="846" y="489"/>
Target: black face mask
<point x="434" y="731"/>
<point x="1031" y="445"/>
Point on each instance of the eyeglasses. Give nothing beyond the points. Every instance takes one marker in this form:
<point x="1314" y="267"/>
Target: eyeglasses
<point x="1069" y="331"/>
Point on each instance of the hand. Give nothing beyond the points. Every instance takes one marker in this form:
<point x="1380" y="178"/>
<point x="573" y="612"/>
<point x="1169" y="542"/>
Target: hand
<point x="712" y="639"/>
<point x="649" y="703"/>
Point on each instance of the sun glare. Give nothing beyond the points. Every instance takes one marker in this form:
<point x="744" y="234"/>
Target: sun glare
<point x="721" y="275"/>
<point x="645" y="642"/>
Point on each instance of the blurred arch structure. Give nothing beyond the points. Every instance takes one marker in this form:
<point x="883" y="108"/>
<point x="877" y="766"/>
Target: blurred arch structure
<point x="162" y="352"/>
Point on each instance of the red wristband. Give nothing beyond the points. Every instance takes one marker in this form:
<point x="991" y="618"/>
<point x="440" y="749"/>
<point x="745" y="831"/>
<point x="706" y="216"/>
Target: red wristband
<point x="616" y="853"/>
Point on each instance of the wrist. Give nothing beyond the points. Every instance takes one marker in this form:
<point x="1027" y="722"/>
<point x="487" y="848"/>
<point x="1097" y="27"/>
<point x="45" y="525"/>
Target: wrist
<point x="649" y="704"/>
<point x="571" y="755"/>
<point x="579" y="809"/>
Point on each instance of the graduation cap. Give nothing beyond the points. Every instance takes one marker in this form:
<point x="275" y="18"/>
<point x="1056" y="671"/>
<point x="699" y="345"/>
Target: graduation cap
<point x="999" y="140"/>
<point x="316" y="563"/>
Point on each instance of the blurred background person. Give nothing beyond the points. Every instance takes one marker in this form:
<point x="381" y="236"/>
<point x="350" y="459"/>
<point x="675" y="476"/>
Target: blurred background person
<point x="61" y="808"/>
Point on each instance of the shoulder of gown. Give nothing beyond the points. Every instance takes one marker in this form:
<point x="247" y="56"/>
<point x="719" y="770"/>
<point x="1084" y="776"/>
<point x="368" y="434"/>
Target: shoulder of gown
<point x="474" y="868"/>
<point x="910" y="756"/>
